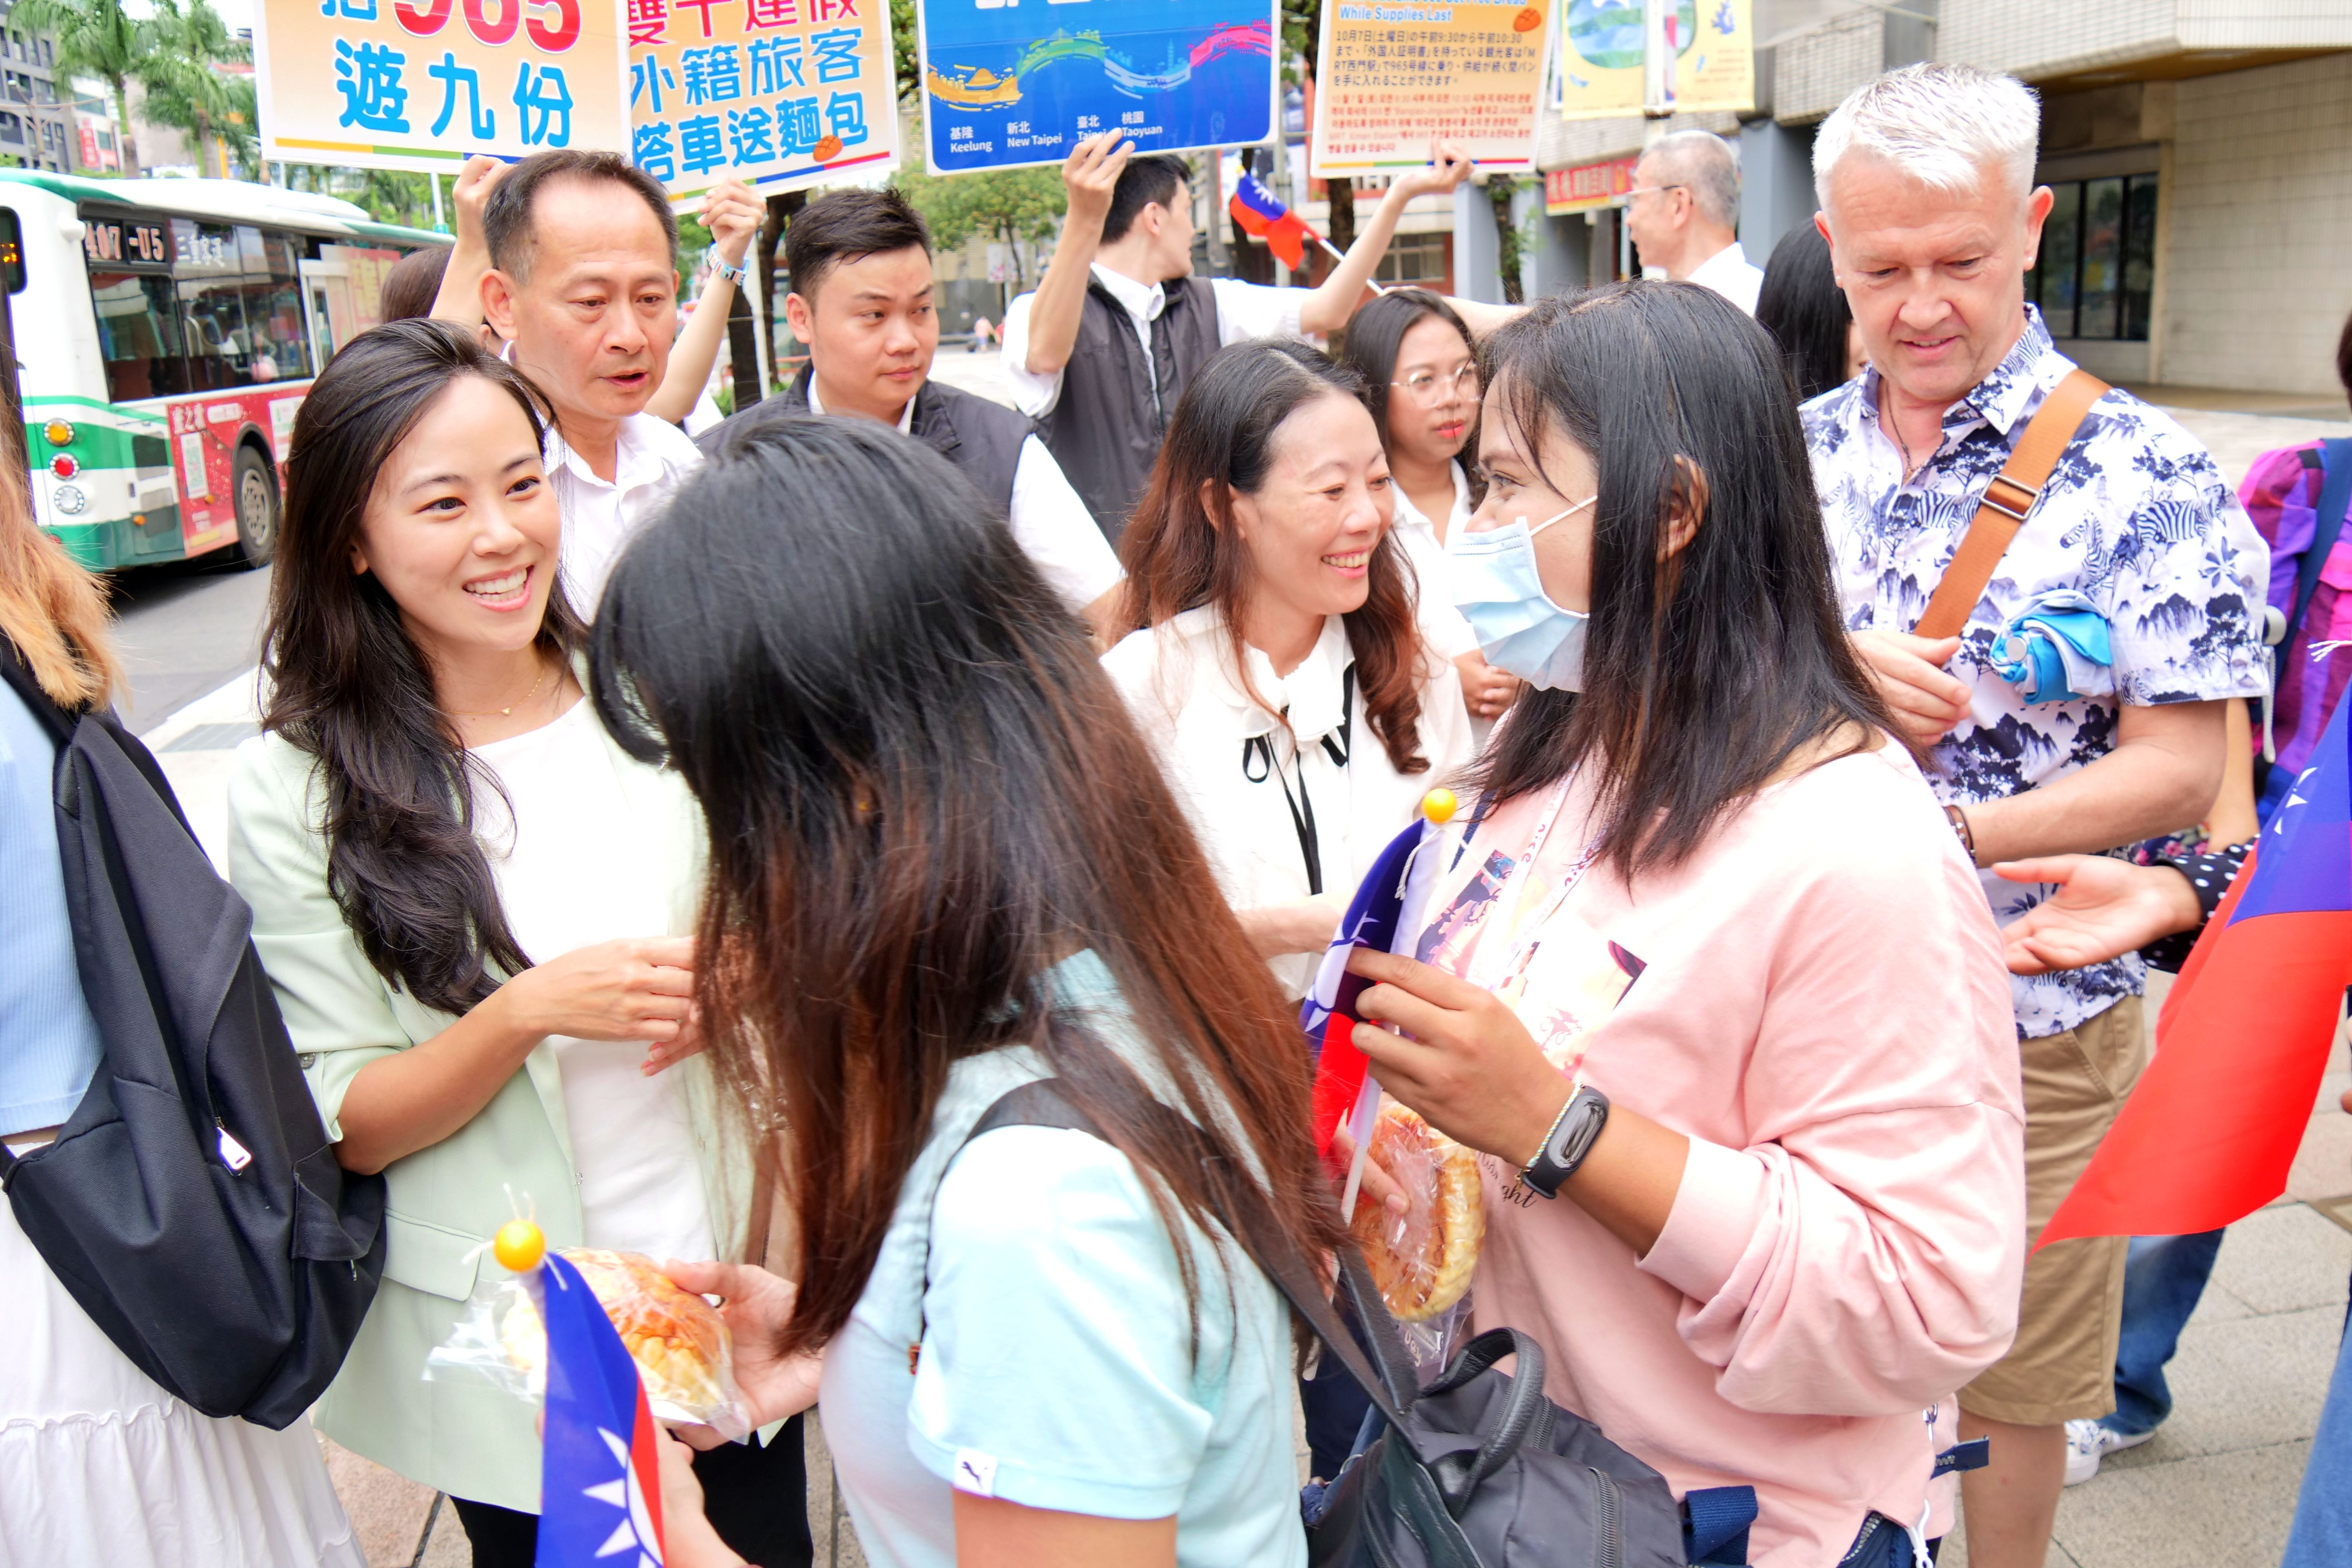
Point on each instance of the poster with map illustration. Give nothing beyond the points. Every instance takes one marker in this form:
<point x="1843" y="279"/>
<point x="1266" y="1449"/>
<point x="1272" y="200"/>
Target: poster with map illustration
<point x="1601" y="57"/>
<point x="1012" y="83"/>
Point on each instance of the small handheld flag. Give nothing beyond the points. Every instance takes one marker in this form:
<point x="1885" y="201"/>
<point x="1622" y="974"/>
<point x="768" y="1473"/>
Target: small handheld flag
<point x="2210" y="1133"/>
<point x="600" y="1474"/>
<point x="1344" y="1087"/>
<point x="1257" y="210"/>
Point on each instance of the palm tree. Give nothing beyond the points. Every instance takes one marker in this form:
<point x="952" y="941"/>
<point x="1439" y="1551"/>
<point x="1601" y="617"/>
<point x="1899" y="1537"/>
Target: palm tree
<point x="178" y="48"/>
<point x="97" y="38"/>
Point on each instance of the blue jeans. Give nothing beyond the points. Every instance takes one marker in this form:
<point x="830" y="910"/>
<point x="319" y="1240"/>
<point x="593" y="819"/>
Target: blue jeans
<point x="2322" y="1535"/>
<point x="2162" y="1281"/>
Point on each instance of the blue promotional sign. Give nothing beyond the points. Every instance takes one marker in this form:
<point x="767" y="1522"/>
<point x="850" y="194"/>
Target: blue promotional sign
<point x="1008" y="86"/>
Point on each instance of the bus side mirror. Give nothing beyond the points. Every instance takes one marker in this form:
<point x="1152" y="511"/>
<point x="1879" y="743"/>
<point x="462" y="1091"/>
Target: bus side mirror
<point x="12" y="250"/>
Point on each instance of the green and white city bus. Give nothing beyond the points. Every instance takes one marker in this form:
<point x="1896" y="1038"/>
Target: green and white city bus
<point x="167" y="331"/>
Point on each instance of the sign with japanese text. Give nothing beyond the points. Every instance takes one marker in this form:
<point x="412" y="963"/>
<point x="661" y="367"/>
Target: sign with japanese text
<point x="1005" y="88"/>
<point x="1588" y="185"/>
<point x="1396" y="74"/>
<point x="1601" y="58"/>
<point x="784" y="93"/>
<point x="423" y="84"/>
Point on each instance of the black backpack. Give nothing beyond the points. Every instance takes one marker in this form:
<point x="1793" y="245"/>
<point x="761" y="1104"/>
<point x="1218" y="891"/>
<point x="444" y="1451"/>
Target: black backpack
<point x="1478" y="1469"/>
<point x="192" y="1204"/>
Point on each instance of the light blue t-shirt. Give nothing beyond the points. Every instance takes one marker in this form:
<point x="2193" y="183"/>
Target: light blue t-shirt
<point x="49" y="1043"/>
<point x="1058" y="1364"/>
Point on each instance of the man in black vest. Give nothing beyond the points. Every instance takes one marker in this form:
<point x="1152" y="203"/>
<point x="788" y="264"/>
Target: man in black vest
<point x="1101" y="352"/>
<point x="860" y="263"/>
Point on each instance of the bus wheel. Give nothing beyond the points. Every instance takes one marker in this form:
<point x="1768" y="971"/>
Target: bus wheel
<point x="257" y="507"/>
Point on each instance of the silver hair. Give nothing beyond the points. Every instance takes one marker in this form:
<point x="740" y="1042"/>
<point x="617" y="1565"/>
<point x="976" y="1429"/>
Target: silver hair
<point x="1705" y="164"/>
<point x="1938" y="123"/>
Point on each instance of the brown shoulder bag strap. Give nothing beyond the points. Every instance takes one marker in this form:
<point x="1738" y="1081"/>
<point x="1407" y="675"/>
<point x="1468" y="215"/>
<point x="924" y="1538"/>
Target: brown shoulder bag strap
<point x="2007" y="502"/>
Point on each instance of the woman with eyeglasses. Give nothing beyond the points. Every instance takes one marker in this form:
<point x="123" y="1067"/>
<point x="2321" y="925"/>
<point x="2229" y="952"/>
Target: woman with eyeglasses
<point x="1421" y="382"/>
<point x="1274" y="662"/>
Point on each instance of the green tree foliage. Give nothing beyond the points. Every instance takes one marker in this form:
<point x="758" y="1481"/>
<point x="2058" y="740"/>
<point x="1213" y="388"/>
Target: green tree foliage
<point x="1018" y="209"/>
<point x="180" y="46"/>
<point x="95" y="39"/>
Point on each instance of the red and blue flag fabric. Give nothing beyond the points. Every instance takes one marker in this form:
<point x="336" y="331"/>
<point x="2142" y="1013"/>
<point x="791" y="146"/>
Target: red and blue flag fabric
<point x="1344" y="1087"/>
<point x="1259" y="210"/>
<point x="2243" y="1044"/>
<point x="600" y="1476"/>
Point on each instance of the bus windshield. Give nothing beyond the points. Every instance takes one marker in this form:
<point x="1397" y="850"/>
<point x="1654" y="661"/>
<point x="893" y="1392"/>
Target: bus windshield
<point x="219" y="307"/>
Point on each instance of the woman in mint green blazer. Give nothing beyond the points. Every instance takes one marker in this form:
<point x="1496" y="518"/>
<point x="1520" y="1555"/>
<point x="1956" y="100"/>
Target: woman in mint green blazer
<point x="475" y="909"/>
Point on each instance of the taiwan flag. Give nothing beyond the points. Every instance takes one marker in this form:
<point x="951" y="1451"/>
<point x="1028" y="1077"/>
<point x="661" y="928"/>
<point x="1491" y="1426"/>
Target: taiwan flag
<point x="1258" y="211"/>
<point x="2242" y="1043"/>
<point x="1377" y="918"/>
<point x="600" y="1477"/>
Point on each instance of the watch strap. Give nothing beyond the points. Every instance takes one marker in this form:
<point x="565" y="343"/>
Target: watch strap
<point x="734" y="275"/>
<point x="1572" y="1137"/>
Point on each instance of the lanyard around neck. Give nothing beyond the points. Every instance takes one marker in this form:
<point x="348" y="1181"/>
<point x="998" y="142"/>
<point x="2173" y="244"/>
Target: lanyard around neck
<point x="1507" y="940"/>
<point x="1258" y="762"/>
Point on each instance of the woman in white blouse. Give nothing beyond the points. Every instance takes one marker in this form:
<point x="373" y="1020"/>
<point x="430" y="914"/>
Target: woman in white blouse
<point x="1421" y="382"/>
<point x="1276" y="666"/>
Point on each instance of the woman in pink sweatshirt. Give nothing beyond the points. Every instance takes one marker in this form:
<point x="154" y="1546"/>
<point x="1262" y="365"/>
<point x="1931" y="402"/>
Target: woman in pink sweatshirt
<point x="1706" y="979"/>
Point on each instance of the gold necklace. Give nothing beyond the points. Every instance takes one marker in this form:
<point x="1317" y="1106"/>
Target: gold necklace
<point x="507" y="711"/>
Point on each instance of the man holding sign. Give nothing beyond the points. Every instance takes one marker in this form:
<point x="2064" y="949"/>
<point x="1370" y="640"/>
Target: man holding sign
<point x="1101" y="352"/>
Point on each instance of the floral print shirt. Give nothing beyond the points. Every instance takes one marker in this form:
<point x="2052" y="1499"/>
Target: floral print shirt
<point x="2137" y="517"/>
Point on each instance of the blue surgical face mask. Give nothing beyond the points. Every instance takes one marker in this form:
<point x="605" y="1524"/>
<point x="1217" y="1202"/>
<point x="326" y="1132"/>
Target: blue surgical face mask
<point x="1500" y="592"/>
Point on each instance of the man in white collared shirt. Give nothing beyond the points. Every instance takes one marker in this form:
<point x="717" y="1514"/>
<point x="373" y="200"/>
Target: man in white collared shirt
<point x="583" y="286"/>
<point x="1684" y="213"/>
<point x="1099" y="354"/>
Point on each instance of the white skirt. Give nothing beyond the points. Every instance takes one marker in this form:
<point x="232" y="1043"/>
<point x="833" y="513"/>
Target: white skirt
<point x="100" y="1468"/>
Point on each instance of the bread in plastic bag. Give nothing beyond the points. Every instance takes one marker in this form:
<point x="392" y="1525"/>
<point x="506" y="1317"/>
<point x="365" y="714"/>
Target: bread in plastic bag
<point x="1421" y="1259"/>
<point x="680" y="1343"/>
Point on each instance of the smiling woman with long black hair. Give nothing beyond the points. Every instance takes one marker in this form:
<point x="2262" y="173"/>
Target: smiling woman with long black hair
<point x="473" y="908"/>
<point x="943" y="864"/>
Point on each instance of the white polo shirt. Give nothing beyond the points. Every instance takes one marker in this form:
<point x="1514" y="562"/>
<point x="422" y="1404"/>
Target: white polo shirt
<point x="1441" y="623"/>
<point x="600" y="516"/>
<point x="1244" y="311"/>
<point x="1049" y="521"/>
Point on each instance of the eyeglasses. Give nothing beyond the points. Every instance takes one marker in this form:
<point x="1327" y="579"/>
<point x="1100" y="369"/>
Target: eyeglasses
<point x="1653" y="190"/>
<point x="1430" y="388"/>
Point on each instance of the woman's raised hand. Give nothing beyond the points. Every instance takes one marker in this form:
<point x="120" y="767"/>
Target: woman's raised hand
<point x="639" y="988"/>
<point x="1465" y="1061"/>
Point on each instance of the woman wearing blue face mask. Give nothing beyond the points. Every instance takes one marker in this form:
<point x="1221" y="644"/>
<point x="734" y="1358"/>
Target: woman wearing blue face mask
<point x="1706" y="979"/>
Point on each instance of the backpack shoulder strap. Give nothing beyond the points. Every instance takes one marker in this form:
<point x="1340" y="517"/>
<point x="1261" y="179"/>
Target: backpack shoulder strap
<point x="2326" y="524"/>
<point x="1042" y="1104"/>
<point x="2007" y="502"/>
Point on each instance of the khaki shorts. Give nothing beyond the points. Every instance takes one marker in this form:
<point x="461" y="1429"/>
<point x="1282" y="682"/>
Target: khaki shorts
<point x="2062" y="1364"/>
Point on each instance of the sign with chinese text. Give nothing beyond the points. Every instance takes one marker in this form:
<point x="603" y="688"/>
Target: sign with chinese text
<point x="423" y="84"/>
<point x="1005" y="88"/>
<point x="1396" y="74"/>
<point x="1588" y="185"/>
<point x="1601" y="58"/>
<point x="786" y="93"/>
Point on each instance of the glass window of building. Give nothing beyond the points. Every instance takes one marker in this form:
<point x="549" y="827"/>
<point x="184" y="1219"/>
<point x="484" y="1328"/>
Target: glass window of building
<point x="1413" y="259"/>
<point x="2095" y="276"/>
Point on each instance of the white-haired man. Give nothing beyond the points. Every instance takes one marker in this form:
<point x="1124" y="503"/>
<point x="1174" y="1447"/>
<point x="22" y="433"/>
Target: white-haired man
<point x="1684" y="211"/>
<point x="1925" y="181"/>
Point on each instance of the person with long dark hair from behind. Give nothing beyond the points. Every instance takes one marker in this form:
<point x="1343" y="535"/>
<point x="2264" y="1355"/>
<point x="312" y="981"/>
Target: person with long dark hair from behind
<point x="1803" y="306"/>
<point x="1420" y="367"/>
<point x="475" y="909"/>
<point x="943" y="866"/>
<point x="1711" y="986"/>
<point x="1272" y="656"/>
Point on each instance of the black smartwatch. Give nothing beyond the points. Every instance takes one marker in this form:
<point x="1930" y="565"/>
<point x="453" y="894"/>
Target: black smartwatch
<point x="1569" y="1142"/>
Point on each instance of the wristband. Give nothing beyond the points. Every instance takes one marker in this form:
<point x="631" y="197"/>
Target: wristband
<point x="734" y="275"/>
<point x="1959" y="821"/>
<point x="1573" y="1134"/>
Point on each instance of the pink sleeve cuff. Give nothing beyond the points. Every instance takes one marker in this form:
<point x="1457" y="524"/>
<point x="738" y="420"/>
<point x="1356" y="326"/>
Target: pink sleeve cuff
<point x="1723" y="1204"/>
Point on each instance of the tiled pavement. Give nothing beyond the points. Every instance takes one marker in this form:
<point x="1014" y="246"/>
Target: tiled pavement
<point x="2214" y="1489"/>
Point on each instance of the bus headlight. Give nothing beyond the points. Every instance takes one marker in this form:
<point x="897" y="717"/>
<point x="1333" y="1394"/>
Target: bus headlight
<point x="69" y="500"/>
<point x="59" y="433"/>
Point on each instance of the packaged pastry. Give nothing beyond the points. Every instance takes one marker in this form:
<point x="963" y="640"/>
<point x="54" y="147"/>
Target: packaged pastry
<point x="1421" y="1259"/>
<point x="681" y="1346"/>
